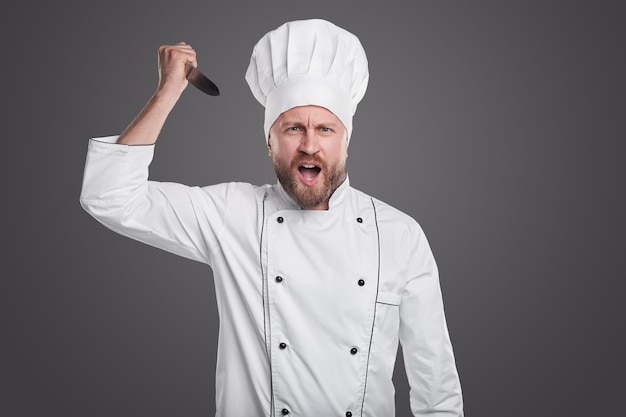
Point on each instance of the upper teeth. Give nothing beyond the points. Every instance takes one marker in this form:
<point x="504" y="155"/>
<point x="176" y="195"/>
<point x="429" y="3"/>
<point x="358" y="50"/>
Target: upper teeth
<point x="308" y="166"/>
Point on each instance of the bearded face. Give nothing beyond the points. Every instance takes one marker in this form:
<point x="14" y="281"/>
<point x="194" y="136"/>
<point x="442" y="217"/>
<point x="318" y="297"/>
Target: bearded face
<point x="308" y="146"/>
<point x="309" y="196"/>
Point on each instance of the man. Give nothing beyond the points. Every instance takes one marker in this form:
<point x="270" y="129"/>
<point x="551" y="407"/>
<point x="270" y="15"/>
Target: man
<point x="316" y="282"/>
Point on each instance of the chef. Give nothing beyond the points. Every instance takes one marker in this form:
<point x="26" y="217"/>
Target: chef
<point x="316" y="282"/>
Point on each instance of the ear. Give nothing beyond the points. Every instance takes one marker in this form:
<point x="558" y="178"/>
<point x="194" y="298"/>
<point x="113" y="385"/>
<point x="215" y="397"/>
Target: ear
<point x="269" y="147"/>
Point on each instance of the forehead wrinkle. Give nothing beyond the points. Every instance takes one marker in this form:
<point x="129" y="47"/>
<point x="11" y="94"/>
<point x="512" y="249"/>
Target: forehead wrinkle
<point x="300" y="119"/>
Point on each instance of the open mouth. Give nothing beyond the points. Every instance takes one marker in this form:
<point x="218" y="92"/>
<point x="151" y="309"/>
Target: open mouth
<point x="309" y="173"/>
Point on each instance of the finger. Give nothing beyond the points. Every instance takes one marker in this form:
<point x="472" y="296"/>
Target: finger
<point x="177" y="47"/>
<point x="176" y="53"/>
<point x="187" y="53"/>
<point x="183" y="45"/>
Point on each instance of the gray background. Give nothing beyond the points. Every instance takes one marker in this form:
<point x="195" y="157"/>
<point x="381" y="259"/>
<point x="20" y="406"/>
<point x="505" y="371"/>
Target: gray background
<point x="498" y="125"/>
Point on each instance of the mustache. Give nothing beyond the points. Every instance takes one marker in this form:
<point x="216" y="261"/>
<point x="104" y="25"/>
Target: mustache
<point x="302" y="158"/>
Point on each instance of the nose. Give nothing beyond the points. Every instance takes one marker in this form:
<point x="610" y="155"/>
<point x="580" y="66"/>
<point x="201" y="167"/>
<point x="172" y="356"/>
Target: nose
<point x="309" y="142"/>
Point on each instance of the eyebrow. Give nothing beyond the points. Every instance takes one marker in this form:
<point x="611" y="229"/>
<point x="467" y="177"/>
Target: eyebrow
<point x="299" y="123"/>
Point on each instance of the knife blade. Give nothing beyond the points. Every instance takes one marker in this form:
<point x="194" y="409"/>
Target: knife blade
<point x="201" y="81"/>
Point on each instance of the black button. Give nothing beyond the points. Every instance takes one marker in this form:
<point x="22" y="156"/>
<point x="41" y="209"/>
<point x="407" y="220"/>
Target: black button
<point x="348" y="414"/>
<point x="279" y="279"/>
<point x="361" y="282"/>
<point x="359" y="220"/>
<point x="282" y="345"/>
<point x="354" y="350"/>
<point x="285" y="411"/>
<point x="279" y="219"/>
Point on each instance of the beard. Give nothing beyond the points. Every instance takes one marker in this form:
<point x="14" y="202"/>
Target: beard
<point x="309" y="197"/>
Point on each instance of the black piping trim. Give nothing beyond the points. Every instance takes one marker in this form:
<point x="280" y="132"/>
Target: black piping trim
<point x="369" y="350"/>
<point x="264" y="288"/>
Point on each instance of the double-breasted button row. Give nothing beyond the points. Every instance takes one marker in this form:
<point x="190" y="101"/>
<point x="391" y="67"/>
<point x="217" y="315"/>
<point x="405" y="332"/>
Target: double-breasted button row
<point x="280" y="219"/>
<point x="285" y="412"/>
<point x="279" y="279"/>
<point x="354" y="350"/>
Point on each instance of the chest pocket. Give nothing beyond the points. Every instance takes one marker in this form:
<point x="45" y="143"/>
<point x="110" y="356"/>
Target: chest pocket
<point x="386" y="322"/>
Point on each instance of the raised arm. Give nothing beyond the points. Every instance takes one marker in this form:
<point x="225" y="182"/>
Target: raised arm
<point x="116" y="190"/>
<point x="145" y="128"/>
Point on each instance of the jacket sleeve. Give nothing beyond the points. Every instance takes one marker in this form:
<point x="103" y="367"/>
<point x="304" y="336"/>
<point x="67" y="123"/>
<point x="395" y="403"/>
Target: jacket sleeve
<point x="435" y="389"/>
<point x="173" y="217"/>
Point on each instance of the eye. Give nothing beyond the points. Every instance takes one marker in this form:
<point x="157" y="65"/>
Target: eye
<point x="326" y="129"/>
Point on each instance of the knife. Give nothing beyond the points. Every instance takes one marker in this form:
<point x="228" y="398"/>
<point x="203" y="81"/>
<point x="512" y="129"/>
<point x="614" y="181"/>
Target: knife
<point x="200" y="81"/>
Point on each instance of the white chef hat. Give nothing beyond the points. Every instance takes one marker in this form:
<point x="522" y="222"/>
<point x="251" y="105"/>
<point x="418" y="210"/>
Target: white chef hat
<point x="308" y="62"/>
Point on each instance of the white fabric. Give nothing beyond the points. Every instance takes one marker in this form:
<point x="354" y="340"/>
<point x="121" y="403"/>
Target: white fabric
<point x="318" y="309"/>
<point x="308" y="62"/>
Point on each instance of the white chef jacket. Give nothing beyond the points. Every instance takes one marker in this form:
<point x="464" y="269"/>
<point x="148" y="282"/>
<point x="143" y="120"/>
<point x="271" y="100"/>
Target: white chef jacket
<point x="312" y="303"/>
